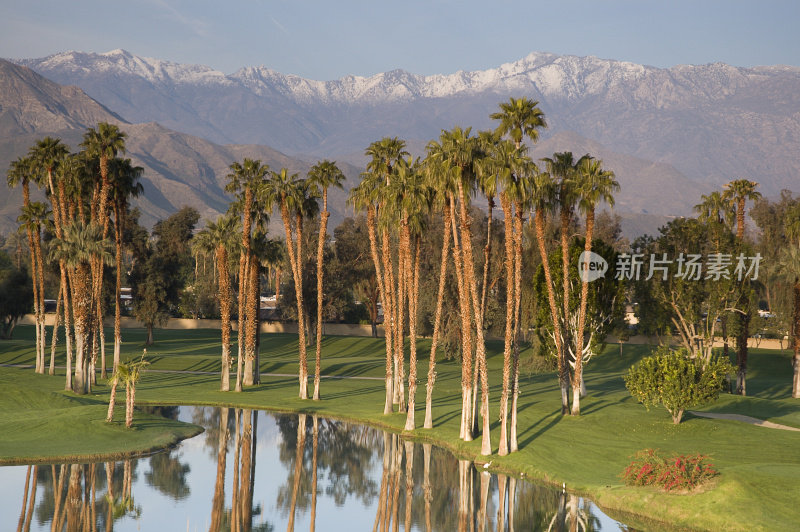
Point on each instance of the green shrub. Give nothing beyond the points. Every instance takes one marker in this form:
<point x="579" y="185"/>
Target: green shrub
<point x="684" y="472"/>
<point x="672" y="379"/>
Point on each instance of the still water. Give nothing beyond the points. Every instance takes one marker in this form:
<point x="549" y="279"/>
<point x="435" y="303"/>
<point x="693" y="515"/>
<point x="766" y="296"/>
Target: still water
<point x="257" y="471"/>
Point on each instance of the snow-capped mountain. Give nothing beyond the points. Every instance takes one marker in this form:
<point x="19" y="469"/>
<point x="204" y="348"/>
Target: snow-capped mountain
<point x="711" y="122"/>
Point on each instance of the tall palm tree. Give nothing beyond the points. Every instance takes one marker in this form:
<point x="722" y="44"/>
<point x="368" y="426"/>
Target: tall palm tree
<point x="222" y="238"/>
<point x="46" y="155"/>
<point x="519" y="118"/>
<point x="124" y="181"/>
<point x="415" y="197"/>
<point x="435" y="172"/>
<point x="34" y="217"/>
<point x="324" y="175"/>
<point x="461" y="152"/>
<point x="245" y="180"/>
<point x="544" y="200"/>
<point x="21" y="172"/>
<point x="81" y="244"/>
<point x="365" y="196"/>
<point x="293" y="196"/>
<point x="715" y="207"/>
<point x="562" y="166"/>
<point x="594" y="184"/>
<point x="104" y="143"/>
<point x="739" y="192"/>
<point x="790" y="266"/>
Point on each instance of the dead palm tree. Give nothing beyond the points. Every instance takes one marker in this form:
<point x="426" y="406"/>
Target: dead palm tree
<point x="324" y="175"/>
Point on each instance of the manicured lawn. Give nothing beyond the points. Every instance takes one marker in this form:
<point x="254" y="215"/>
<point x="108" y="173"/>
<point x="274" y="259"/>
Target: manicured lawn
<point x="760" y="468"/>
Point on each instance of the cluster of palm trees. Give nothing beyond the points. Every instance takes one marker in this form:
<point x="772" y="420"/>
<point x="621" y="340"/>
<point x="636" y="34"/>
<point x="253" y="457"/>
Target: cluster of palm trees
<point x="258" y="191"/>
<point x="402" y="195"/>
<point x="87" y="195"/>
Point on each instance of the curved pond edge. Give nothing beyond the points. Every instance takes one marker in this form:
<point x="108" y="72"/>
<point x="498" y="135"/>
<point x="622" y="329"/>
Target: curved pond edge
<point x="619" y="511"/>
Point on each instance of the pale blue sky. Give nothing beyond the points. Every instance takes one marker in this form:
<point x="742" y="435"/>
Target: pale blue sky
<point x="332" y="38"/>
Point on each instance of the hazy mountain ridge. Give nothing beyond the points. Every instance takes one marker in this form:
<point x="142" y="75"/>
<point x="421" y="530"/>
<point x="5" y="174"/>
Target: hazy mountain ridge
<point x="180" y="169"/>
<point x="711" y="122"/>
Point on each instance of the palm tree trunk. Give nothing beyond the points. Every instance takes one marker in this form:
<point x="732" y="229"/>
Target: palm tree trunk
<point x="40" y="322"/>
<point x="518" y="222"/>
<point x="301" y="309"/>
<point x="428" y="424"/>
<point x="409" y="448"/>
<point x="117" y="286"/>
<point x="487" y="252"/>
<point x="510" y="300"/>
<point x="557" y="333"/>
<point x="379" y="274"/>
<point x="465" y="432"/>
<point x="412" y="332"/>
<point x="225" y="313"/>
<point x="34" y="277"/>
<point x="112" y="400"/>
<point x="796" y="340"/>
<point x="251" y="319"/>
<point x="577" y="378"/>
<point x="68" y="323"/>
<point x="480" y="351"/>
<point x="389" y="311"/>
<point x="323" y="228"/>
<point x="54" y="341"/>
<point x="399" y="338"/>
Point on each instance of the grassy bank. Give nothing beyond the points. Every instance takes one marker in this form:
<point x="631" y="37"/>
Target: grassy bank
<point x="760" y="468"/>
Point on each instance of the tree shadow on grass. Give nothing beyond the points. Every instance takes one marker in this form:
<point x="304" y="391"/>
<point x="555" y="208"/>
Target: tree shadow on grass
<point x="554" y="418"/>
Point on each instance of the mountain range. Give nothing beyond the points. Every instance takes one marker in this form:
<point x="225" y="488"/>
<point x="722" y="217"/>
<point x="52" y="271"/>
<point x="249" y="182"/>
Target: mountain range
<point x="669" y="134"/>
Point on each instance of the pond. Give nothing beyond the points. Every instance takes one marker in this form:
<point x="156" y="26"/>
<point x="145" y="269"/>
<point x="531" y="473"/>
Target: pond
<point x="258" y="471"/>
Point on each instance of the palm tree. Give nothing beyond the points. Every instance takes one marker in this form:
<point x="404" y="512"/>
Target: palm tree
<point x="294" y="198"/>
<point x="790" y="266"/>
<point x="324" y="175"/>
<point x="81" y="244"/>
<point x="35" y="216"/>
<point x="435" y="174"/>
<point x="562" y="166"/>
<point x="519" y="118"/>
<point x="365" y="197"/>
<point x="593" y="186"/>
<point x="715" y="207"/>
<point x="127" y="373"/>
<point x="104" y="143"/>
<point x="415" y="198"/>
<point x="461" y="152"/>
<point x="124" y="179"/>
<point x="738" y="192"/>
<point x="245" y="180"/>
<point x="22" y="171"/>
<point x="220" y="235"/>
<point x="46" y="155"/>
<point x="385" y="155"/>
<point x="544" y="198"/>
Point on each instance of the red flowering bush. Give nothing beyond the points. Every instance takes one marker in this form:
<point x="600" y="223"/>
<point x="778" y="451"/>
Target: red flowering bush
<point x="684" y="472"/>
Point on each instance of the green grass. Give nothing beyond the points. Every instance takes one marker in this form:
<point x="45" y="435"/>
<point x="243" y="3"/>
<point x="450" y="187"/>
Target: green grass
<point x="760" y="468"/>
